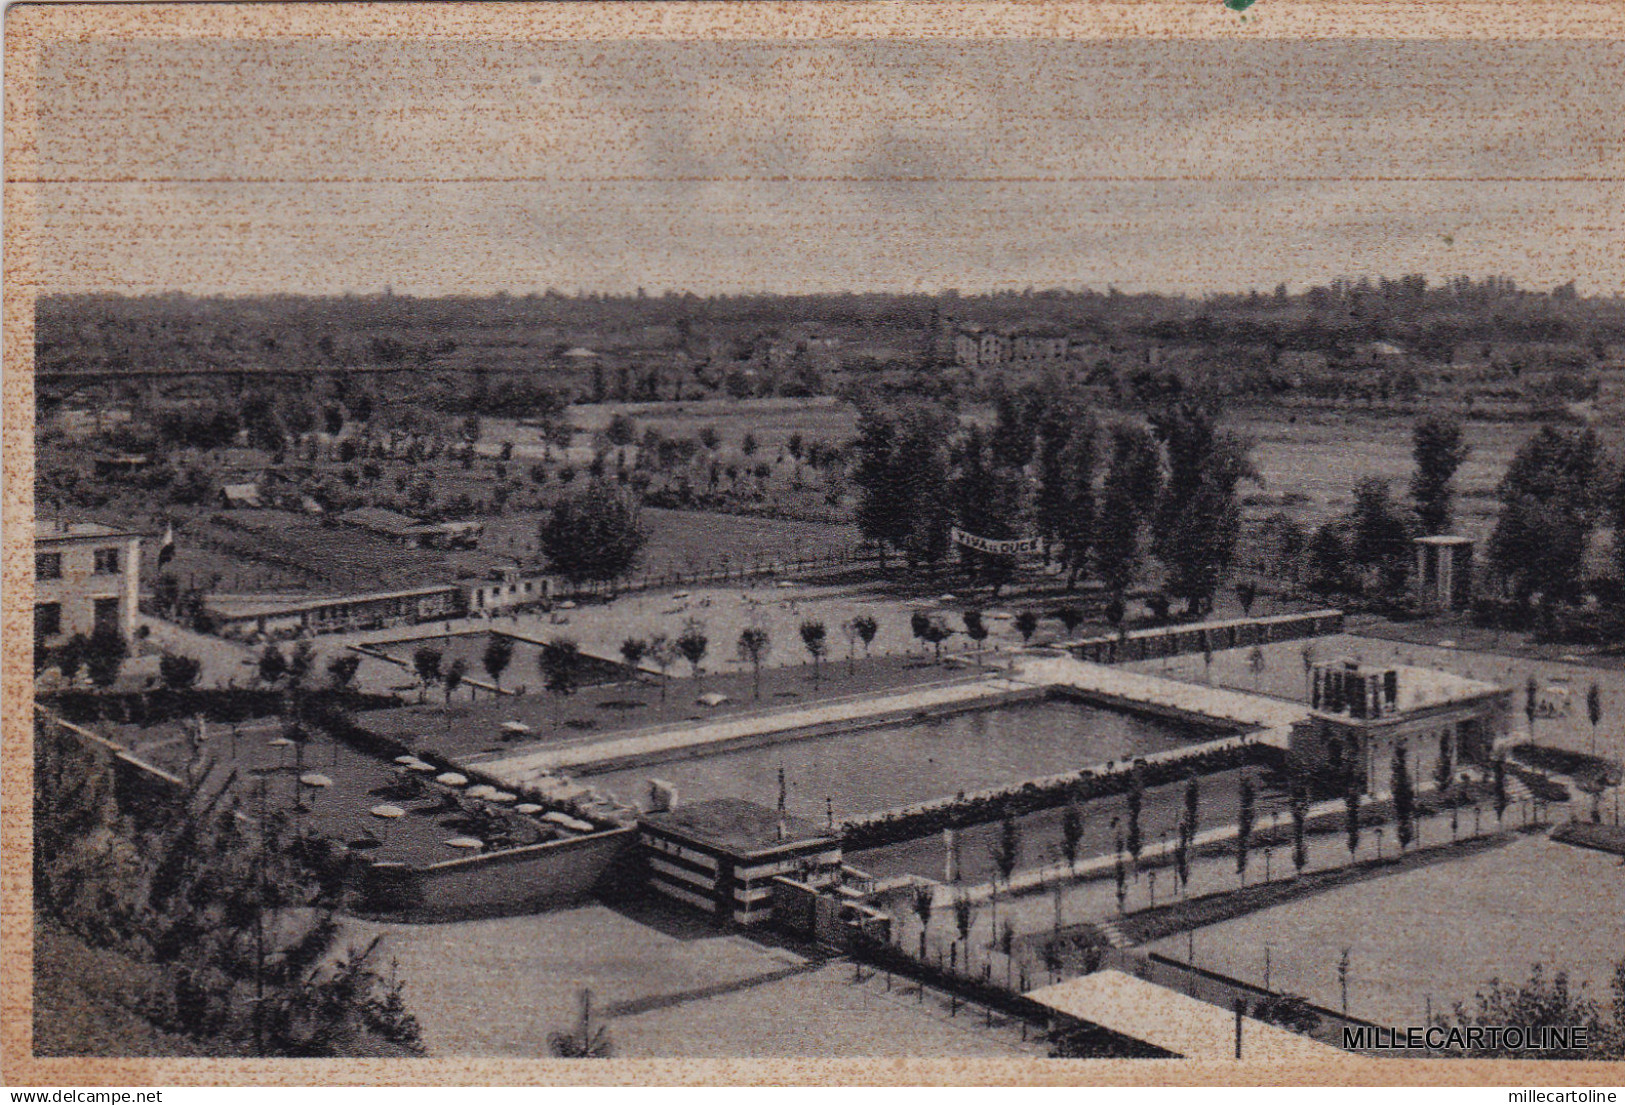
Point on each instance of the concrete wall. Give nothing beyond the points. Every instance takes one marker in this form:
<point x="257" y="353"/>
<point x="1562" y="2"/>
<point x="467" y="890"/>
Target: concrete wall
<point x="521" y="880"/>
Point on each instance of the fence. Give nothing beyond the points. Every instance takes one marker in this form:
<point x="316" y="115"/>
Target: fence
<point x="1179" y="640"/>
<point x="724" y="571"/>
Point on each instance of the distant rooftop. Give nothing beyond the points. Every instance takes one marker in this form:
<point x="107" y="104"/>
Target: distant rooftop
<point x="1172" y="1021"/>
<point x="736" y="826"/>
<point x="1420" y="687"/>
<point x="50" y="530"/>
<point x="1443" y="539"/>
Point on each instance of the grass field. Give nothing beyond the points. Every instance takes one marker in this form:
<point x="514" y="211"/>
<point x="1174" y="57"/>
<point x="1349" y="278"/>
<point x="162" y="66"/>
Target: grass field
<point x="668" y="983"/>
<point x="1433" y="936"/>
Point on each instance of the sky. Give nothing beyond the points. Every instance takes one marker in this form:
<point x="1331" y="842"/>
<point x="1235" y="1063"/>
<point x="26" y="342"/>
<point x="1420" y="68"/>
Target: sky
<point x="451" y="167"/>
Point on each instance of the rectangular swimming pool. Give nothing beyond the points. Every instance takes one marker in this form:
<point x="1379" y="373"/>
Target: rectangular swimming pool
<point x="862" y="770"/>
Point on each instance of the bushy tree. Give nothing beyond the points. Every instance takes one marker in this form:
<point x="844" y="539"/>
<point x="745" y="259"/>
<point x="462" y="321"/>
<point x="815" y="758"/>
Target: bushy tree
<point x="901" y="471"/>
<point x="559" y="662"/>
<point x="179" y="672"/>
<point x="1548" y="500"/>
<point x="815" y="638"/>
<point x="692" y="643"/>
<point x="593" y="534"/>
<point x="1380" y="535"/>
<point x="497" y="656"/>
<point x="1439" y="449"/>
<point x="754" y="645"/>
<point x="1199" y="518"/>
<point x="426" y="663"/>
<point x="1404" y="792"/>
<point x="1132" y="485"/>
<point x="341" y="670"/>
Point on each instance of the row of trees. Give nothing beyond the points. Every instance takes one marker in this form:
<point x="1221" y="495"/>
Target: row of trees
<point x="1099" y="496"/>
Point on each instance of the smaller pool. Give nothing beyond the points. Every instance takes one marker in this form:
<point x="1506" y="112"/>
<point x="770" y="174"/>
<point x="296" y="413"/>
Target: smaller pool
<point x="863" y="770"/>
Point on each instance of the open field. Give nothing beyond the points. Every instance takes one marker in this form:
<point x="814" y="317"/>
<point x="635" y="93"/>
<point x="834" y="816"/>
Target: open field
<point x="1312" y="461"/>
<point x="898" y="764"/>
<point x="670" y="985"/>
<point x="1433" y="936"/>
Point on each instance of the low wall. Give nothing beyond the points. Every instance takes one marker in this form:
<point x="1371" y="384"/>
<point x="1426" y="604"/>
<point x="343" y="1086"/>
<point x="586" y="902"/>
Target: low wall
<point x="520" y="880"/>
<point x="1178" y="640"/>
<point x="927" y="818"/>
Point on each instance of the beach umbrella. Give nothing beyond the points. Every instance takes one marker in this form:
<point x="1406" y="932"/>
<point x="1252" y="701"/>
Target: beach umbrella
<point x="528" y="807"/>
<point x="387" y="812"/>
<point x="515" y="727"/>
<point x="422" y="767"/>
<point x="452" y="779"/>
<point x="481" y="790"/>
<point x="502" y="796"/>
<point x="318" y="781"/>
<point x="711" y="698"/>
<point x="406" y="761"/>
<point x="472" y="844"/>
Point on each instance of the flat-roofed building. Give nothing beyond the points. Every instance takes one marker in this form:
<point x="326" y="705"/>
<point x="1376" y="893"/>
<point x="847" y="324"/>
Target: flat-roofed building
<point x="1360" y="714"/>
<point x="1146" y="1020"/>
<point x="86" y="578"/>
<point x="722" y="855"/>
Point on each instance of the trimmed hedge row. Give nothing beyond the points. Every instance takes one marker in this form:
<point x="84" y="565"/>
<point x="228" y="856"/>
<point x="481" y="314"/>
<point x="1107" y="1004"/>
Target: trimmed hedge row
<point x="1561" y="761"/>
<point x="218" y="704"/>
<point x="1029" y="797"/>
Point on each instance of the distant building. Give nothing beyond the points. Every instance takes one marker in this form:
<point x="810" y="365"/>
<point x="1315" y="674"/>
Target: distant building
<point x="1361" y="714"/>
<point x="240" y="496"/>
<point x="1443" y="579"/>
<point x="121" y="464"/>
<point x="248" y="619"/>
<point x="86" y="578"/>
<point x="508" y="590"/>
<point x="722" y="855"/>
<point x="413" y="534"/>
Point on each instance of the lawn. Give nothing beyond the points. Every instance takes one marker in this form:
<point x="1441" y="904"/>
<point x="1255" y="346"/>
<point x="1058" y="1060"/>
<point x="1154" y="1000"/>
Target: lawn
<point x="473" y="728"/>
<point x="1429" y="937"/>
<point x="670" y="985"/>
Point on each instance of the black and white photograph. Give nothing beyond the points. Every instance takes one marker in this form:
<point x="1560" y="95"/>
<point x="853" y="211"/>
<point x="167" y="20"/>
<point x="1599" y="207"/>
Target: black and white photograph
<point x="1084" y="535"/>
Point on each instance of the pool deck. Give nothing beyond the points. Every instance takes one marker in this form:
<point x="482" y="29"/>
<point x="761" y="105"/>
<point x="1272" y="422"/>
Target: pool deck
<point x="1271" y="719"/>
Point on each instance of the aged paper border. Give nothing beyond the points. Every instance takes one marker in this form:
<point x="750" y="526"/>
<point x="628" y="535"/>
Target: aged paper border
<point x="31" y="26"/>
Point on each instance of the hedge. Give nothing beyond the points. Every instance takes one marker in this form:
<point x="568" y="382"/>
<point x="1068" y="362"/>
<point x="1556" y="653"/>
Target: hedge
<point x="894" y="826"/>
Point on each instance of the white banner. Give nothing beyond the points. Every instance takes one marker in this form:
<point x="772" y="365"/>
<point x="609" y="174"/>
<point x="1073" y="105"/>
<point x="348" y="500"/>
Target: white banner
<point x="1012" y="547"/>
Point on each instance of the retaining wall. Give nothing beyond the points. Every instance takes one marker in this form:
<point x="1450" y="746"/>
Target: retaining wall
<point x="520" y="880"/>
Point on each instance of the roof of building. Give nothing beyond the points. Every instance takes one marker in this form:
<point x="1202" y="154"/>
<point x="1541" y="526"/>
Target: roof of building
<point x="46" y="530"/>
<point x="737" y="826"/>
<point x="1421" y="687"/>
<point x="1443" y="539"/>
<point x="1173" y="1021"/>
<point x="240" y="491"/>
<point x="383" y="521"/>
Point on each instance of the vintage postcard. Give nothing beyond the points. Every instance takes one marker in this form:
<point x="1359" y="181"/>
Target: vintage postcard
<point x="829" y="543"/>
